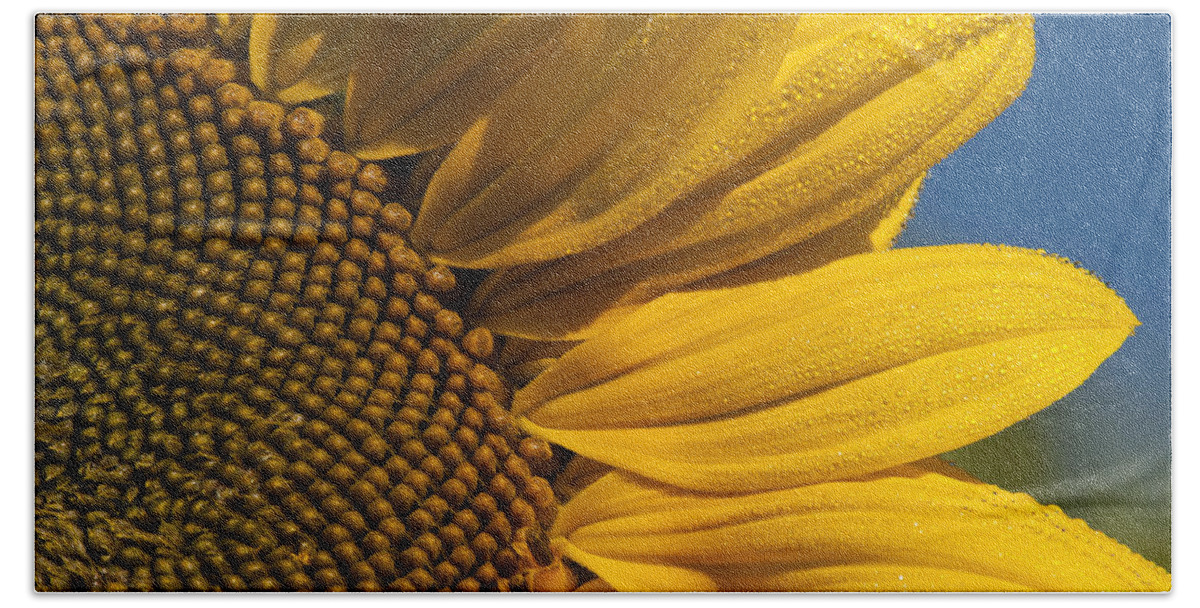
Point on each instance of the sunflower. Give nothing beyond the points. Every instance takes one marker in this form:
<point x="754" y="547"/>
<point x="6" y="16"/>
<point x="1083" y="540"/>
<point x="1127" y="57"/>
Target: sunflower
<point x="681" y="224"/>
<point x="246" y="378"/>
<point x="772" y="453"/>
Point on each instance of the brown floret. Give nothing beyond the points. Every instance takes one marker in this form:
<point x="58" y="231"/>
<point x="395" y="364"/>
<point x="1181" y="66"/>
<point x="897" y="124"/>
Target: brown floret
<point x="245" y="380"/>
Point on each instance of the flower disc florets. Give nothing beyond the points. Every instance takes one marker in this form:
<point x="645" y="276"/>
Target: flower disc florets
<point x="245" y="376"/>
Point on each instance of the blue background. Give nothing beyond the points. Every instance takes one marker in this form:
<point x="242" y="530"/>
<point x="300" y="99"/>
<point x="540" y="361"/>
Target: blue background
<point x="1079" y="165"/>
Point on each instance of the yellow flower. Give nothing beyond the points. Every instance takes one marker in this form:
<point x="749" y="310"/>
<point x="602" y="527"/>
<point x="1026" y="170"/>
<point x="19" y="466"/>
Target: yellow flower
<point x="673" y="189"/>
<point x="412" y="82"/>
<point x="920" y="527"/>
<point x="759" y="428"/>
<point x="706" y="200"/>
<point x="647" y="153"/>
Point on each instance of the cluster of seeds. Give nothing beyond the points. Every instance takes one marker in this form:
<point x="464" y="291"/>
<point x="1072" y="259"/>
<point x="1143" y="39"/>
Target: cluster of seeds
<point x="245" y="377"/>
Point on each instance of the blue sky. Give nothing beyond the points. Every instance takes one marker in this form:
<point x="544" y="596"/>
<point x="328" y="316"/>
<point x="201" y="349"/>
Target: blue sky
<point x="1079" y="166"/>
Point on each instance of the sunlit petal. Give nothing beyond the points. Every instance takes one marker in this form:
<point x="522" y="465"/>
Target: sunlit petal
<point x="888" y="229"/>
<point x="916" y="527"/>
<point x="865" y="363"/>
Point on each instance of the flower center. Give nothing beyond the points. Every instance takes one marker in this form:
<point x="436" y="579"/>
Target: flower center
<point x="245" y="377"/>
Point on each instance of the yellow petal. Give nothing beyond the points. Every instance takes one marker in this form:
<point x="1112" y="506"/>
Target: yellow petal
<point x="434" y="75"/>
<point x="596" y="585"/>
<point x="889" y="227"/>
<point x="641" y="85"/>
<point x="522" y="360"/>
<point x="767" y="127"/>
<point x="910" y="528"/>
<point x="297" y="58"/>
<point x="872" y="231"/>
<point x="865" y="363"/>
<point x="233" y="28"/>
<point x="579" y="473"/>
<point x="854" y="165"/>
<point x="530" y="301"/>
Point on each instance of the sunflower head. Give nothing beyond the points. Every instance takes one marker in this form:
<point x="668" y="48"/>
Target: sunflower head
<point x="246" y="375"/>
<point x="252" y="372"/>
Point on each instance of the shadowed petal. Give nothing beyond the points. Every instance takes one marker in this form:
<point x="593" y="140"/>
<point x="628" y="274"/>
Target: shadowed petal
<point x="865" y="363"/>
<point x="767" y="132"/>
<point x="919" y="527"/>
<point x="442" y="73"/>
<point x="514" y="301"/>
<point x="298" y="58"/>
<point x="844" y="169"/>
<point x="412" y="82"/>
